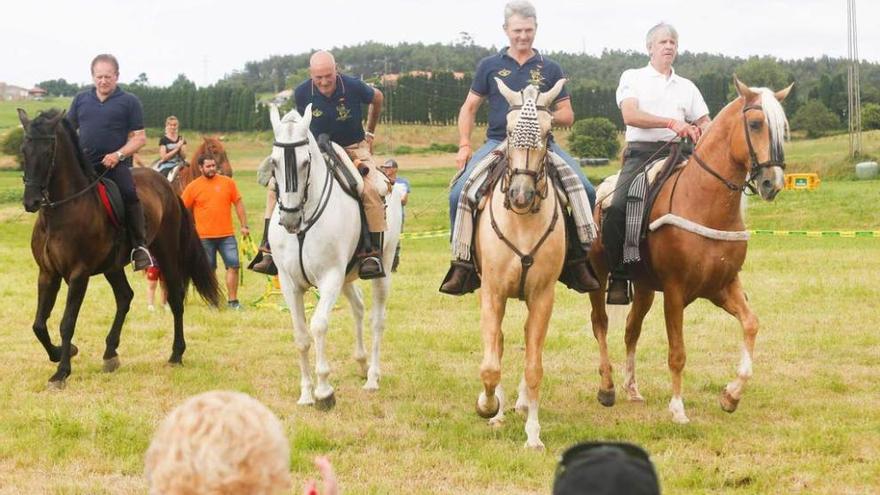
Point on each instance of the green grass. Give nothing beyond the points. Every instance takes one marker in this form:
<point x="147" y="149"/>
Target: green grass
<point x="807" y="424"/>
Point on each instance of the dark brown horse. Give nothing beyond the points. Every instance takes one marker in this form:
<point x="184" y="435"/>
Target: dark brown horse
<point x="699" y="252"/>
<point x="74" y="238"/>
<point x="211" y="146"/>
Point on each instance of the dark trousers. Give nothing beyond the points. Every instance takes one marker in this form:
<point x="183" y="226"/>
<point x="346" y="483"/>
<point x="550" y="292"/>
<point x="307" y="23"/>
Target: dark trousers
<point x="121" y="175"/>
<point x="614" y="218"/>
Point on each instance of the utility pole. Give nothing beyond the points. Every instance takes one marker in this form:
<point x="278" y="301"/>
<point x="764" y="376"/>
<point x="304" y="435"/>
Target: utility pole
<point x="853" y="89"/>
<point x="390" y="101"/>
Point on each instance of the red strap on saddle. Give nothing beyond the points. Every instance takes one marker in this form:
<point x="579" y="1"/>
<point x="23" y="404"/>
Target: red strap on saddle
<point x="105" y="200"/>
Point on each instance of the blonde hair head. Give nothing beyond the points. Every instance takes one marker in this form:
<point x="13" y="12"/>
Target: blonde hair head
<point x="219" y="442"/>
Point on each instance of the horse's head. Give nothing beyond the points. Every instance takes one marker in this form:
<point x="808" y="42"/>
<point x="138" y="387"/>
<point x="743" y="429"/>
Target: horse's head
<point x="213" y="146"/>
<point x="528" y="130"/>
<point x="38" y="148"/>
<point x="760" y="144"/>
<point x="291" y="156"/>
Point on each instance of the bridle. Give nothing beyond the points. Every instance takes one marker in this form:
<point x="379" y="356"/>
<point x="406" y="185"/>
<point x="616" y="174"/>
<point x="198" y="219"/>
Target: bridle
<point x="291" y="183"/>
<point x="44" y="184"/>
<point x="538" y="175"/>
<point x="755" y="166"/>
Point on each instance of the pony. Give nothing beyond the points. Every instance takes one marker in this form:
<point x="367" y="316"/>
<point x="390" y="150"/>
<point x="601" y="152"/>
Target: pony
<point x="696" y="243"/>
<point x="74" y="238"/>
<point x="314" y="231"/>
<point x="520" y="249"/>
<point x="211" y="146"/>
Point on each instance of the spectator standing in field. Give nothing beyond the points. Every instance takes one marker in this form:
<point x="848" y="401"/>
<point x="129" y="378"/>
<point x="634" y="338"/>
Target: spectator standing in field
<point x="211" y="198"/>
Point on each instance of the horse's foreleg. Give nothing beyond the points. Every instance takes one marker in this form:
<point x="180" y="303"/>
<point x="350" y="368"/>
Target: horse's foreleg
<point x="540" y="309"/>
<point x="293" y="295"/>
<point x="123" y="294"/>
<point x="673" y="309"/>
<point x="76" y="291"/>
<point x="356" y="301"/>
<point x="381" y="288"/>
<point x="733" y="300"/>
<point x="490" y="403"/>
<point x="47" y="292"/>
<point x="318" y="327"/>
<point x="599" y="321"/>
<point x="642" y="301"/>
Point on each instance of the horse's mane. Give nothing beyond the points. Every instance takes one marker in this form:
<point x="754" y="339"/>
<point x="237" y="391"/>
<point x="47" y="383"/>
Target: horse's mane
<point x="41" y="122"/>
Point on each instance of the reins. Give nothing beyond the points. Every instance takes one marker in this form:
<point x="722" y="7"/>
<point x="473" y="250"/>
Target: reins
<point x="44" y="186"/>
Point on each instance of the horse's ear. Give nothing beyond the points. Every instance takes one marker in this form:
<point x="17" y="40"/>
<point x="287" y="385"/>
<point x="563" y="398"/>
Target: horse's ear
<point x="545" y="99"/>
<point x="511" y="96"/>
<point x="56" y="119"/>
<point x="783" y="93"/>
<point x="274" y="117"/>
<point x="23" y="117"/>
<point x="743" y="90"/>
<point x="307" y="116"/>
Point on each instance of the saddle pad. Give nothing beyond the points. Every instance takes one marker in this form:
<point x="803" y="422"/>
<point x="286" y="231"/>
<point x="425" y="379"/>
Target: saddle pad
<point x="605" y="191"/>
<point x="111" y="198"/>
<point x="353" y="173"/>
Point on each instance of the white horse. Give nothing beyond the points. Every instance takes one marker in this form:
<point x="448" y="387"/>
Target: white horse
<point x="314" y="232"/>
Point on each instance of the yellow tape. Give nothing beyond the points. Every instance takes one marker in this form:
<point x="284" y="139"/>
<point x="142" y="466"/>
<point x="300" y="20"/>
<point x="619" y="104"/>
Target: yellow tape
<point x="779" y="233"/>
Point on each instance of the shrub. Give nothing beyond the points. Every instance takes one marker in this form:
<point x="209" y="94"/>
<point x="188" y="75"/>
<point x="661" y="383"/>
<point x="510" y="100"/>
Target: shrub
<point x="815" y="118"/>
<point x="594" y="137"/>
<point x="870" y="116"/>
<point x="12" y="144"/>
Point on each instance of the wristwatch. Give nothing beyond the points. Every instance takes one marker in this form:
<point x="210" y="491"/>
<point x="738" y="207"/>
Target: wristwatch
<point x="120" y="156"/>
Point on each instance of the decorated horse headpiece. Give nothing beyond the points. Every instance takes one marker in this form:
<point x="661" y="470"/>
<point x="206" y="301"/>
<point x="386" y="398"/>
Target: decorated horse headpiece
<point x="527" y="131"/>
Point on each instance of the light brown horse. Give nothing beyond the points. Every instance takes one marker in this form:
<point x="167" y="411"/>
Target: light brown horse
<point x="701" y="257"/>
<point x="211" y="146"/>
<point x="520" y="249"/>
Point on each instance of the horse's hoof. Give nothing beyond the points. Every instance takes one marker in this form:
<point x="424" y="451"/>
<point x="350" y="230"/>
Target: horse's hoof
<point x="56" y="385"/>
<point x="327" y="403"/>
<point x="536" y="446"/>
<point x="371" y="386"/>
<point x="111" y="365"/>
<point x="728" y="403"/>
<point x="175" y="360"/>
<point x="606" y="397"/>
<point x="488" y="414"/>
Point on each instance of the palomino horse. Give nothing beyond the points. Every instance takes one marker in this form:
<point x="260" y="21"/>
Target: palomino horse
<point x="314" y="232"/>
<point x="211" y="146"/>
<point x="74" y="238"/>
<point x="700" y="254"/>
<point x="520" y="249"/>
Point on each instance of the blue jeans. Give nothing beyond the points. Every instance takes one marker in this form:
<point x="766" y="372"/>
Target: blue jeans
<point x="227" y="247"/>
<point x="491" y="144"/>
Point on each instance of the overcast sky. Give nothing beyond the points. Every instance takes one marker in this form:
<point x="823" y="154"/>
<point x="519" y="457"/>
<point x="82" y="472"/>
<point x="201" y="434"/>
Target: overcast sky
<point x="205" y="39"/>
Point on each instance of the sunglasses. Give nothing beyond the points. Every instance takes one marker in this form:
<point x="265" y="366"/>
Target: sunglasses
<point x="588" y="452"/>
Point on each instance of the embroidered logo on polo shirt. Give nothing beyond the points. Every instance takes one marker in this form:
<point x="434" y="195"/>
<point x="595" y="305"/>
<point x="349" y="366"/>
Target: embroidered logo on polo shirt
<point x="317" y="112"/>
<point x="535" y="76"/>
<point x="504" y="72"/>
<point x="342" y="112"/>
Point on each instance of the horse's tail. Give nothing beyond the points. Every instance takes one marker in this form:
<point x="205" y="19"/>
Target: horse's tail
<point x="194" y="263"/>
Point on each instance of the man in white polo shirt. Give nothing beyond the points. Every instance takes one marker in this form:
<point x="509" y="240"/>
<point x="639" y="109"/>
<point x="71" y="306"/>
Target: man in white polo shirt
<point x="657" y="106"/>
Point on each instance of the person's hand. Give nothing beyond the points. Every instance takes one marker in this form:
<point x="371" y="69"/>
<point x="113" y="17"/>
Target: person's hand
<point x="245" y="231"/>
<point x="331" y="487"/>
<point x="369" y="137"/>
<point x="110" y="160"/>
<point x="682" y="129"/>
<point x="461" y="158"/>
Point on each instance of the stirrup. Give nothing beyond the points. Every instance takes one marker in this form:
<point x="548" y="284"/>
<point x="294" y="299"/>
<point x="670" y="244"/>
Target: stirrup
<point x="461" y="279"/>
<point x="370" y="268"/>
<point x="139" y="262"/>
<point x="619" y="292"/>
<point x="263" y="263"/>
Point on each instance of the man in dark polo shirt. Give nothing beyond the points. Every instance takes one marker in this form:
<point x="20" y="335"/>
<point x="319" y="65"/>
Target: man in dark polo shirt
<point x="111" y="129"/>
<point x="337" y="110"/>
<point x="518" y="65"/>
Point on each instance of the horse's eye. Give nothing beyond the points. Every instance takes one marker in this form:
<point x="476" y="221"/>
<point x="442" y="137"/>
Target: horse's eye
<point x="756" y="125"/>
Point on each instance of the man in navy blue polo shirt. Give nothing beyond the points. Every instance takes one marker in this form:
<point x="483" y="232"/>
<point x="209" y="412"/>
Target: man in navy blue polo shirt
<point x="518" y="65"/>
<point x="111" y="129"/>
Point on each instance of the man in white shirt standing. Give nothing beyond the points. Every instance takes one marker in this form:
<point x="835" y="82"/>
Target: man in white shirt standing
<point x="658" y="106"/>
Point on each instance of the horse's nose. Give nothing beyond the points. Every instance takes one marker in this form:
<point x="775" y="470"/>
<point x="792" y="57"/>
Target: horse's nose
<point x="769" y="189"/>
<point x="290" y="223"/>
<point x="31" y="202"/>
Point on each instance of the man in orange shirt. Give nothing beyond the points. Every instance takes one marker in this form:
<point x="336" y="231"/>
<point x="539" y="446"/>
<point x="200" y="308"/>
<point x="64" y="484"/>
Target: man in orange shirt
<point x="210" y="198"/>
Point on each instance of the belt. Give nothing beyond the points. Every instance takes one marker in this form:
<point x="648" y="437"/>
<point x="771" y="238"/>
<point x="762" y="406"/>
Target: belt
<point x="652" y="146"/>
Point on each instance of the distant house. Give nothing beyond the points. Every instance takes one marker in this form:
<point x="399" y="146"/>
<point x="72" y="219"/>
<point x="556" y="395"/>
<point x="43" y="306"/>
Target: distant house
<point x="37" y="93"/>
<point x="282" y="97"/>
<point x="391" y="79"/>
<point x="9" y="92"/>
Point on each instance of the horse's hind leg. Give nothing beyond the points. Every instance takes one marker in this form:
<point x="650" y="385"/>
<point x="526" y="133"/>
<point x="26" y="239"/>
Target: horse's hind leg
<point x="47" y="292"/>
<point x="733" y="300"/>
<point x="642" y="301"/>
<point x="176" y="291"/>
<point x="356" y="301"/>
<point x="76" y="291"/>
<point x="123" y="294"/>
<point x="381" y="288"/>
<point x="490" y="403"/>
